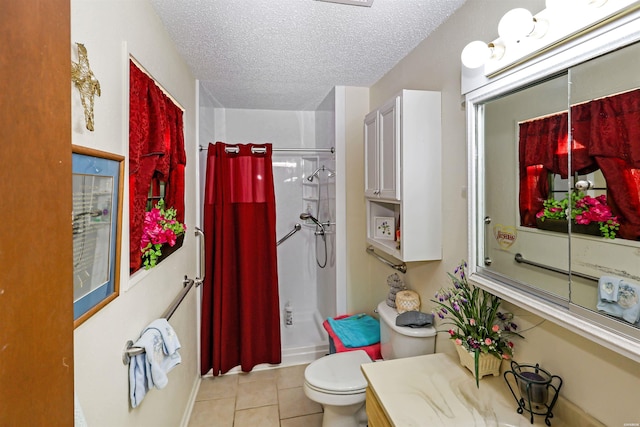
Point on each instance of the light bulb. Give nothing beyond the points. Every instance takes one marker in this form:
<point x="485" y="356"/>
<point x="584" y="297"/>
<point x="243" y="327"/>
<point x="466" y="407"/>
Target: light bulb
<point x="516" y="24"/>
<point x="477" y="53"/>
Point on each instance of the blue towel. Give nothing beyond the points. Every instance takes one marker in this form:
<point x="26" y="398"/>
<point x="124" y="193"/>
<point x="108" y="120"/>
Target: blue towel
<point x="150" y="369"/>
<point x="627" y="304"/>
<point x="358" y="330"/>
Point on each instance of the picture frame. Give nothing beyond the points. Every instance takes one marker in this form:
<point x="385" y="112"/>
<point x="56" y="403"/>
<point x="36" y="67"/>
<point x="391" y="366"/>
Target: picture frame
<point x="384" y="227"/>
<point x="97" y="189"/>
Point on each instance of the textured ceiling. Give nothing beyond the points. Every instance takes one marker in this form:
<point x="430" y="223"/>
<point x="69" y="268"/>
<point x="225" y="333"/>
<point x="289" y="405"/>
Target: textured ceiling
<point x="288" y="54"/>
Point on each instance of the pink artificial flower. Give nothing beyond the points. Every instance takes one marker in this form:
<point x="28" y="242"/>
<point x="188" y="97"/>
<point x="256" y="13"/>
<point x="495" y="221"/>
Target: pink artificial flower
<point x="495" y="328"/>
<point x="458" y="341"/>
<point x="472" y="322"/>
<point x="505" y="356"/>
<point x="170" y="237"/>
<point x="488" y="341"/>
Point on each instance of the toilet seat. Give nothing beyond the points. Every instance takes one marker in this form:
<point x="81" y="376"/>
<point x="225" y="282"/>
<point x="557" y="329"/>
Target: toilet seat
<point x="338" y="373"/>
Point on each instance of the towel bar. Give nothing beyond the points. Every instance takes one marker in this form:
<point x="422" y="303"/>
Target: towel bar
<point x="400" y="267"/>
<point x="520" y="259"/>
<point x="129" y="349"/>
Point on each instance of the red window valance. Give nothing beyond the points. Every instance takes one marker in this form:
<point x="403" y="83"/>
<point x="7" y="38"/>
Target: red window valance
<point x="156" y="151"/>
<point x="605" y="136"/>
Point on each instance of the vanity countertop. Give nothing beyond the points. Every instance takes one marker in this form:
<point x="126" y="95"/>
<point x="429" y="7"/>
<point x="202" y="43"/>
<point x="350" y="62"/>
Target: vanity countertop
<point x="435" y="390"/>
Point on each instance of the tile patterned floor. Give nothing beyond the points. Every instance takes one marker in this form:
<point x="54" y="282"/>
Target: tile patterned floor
<point x="268" y="398"/>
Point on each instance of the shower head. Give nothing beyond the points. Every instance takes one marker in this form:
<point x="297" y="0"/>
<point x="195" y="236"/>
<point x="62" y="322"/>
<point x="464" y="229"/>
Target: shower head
<point x="305" y="216"/>
<point x="330" y="173"/>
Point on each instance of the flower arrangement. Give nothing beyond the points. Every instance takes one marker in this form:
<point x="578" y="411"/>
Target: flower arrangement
<point x="160" y="227"/>
<point x="584" y="210"/>
<point x="479" y="327"/>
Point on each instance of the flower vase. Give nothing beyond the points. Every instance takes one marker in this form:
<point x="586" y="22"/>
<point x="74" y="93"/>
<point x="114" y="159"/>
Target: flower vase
<point x="488" y="364"/>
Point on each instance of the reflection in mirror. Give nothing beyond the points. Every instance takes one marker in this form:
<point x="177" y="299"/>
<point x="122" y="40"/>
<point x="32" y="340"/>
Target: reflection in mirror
<point x="508" y="171"/>
<point x="559" y="189"/>
<point x="605" y="123"/>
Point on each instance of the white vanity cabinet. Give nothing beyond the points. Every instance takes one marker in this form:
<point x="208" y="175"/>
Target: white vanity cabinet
<point x="403" y="176"/>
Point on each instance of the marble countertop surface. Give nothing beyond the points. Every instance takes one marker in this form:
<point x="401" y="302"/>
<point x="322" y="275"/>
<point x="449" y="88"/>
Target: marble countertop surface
<point x="435" y="390"/>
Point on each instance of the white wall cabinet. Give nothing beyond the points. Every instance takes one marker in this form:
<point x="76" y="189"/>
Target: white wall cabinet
<point x="403" y="176"/>
<point x="382" y="151"/>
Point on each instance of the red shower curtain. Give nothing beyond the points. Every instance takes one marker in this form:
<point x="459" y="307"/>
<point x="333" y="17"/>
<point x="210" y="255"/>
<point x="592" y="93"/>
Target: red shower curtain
<point x="240" y="310"/>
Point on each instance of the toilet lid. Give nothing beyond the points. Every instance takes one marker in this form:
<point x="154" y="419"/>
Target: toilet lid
<point x="338" y="372"/>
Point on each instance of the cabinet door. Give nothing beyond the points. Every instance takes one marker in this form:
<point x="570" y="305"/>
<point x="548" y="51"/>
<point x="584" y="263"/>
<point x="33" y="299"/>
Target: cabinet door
<point x="389" y="150"/>
<point x="371" y="154"/>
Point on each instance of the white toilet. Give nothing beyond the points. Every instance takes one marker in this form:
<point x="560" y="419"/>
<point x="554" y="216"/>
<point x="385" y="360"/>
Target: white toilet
<point x="336" y="382"/>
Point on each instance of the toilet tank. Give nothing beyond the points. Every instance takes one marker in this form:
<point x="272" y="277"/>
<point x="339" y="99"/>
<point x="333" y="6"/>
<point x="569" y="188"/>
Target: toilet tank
<point x="402" y="341"/>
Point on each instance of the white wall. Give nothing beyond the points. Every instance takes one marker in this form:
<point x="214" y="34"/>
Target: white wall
<point x="110" y="30"/>
<point x="600" y="381"/>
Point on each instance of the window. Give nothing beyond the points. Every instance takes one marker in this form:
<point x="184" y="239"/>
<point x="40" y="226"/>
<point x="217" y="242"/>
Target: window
<point x="156" y="155"/>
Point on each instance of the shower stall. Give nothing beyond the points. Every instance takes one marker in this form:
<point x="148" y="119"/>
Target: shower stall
<point x="304" y="168"/>
<point x="306" y="260"/>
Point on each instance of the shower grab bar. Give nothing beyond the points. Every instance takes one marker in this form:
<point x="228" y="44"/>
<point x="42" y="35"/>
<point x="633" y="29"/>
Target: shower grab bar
<point x="521" y="260"/>
<point x="130" y="349"/>
<point x="201" y="268"/>
<point x="400" y="267"/>
<point x="296" y="228"/>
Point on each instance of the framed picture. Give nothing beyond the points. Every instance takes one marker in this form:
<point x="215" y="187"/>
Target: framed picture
<point x="96" y="218"/>
<point x="384" y="227"/>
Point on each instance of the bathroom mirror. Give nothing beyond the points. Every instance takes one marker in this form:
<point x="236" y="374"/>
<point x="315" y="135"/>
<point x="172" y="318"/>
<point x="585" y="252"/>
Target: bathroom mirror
<point x="555" y="188"/>
<point x="605" y="123"/>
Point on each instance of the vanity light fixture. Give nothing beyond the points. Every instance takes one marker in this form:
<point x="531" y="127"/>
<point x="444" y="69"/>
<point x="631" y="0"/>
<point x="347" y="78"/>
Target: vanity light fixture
<point x="523" y="35"/>
<point x="519" y="23"/>
<point x="477" y="53"/>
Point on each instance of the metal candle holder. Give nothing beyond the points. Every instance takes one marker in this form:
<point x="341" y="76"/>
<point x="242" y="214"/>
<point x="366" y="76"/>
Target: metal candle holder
<point x="535" y="388"/>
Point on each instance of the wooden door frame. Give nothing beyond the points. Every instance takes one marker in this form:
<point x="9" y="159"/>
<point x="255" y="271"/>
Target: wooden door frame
<point x="36" y="316"/>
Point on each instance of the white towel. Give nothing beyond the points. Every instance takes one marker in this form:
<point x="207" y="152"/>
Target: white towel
<point x="627" y="304"/>
<point x="608" y="288"/>
<point x="629" y="300"/>
<point x="150" y="369"/>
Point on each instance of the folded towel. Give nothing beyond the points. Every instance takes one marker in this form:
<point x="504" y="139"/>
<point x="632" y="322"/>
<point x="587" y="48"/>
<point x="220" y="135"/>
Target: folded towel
<point x="150" y="369"/>
<point x="358" y="330"/>
<point x="629" y="300"/>
<point x="372" y="350"/>
<point x="608" y="288"/>
<point x="627" y="306"/>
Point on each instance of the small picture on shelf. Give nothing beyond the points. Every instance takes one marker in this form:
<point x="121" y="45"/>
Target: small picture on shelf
<point x="384" y="227"/>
